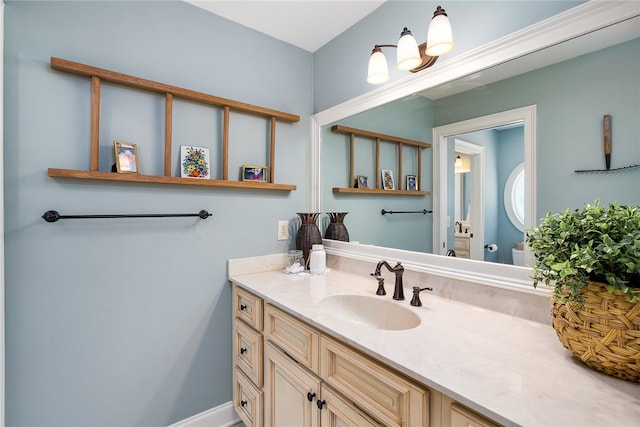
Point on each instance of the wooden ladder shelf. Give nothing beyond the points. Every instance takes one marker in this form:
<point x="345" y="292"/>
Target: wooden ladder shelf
<point x="98" y="75"/>
<point x="378" y="137"/>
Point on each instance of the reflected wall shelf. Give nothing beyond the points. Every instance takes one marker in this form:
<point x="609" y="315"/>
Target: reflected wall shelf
<point x="378" y="137"/>
<point x="97" y="75"/>
<point x="380" y="191"/>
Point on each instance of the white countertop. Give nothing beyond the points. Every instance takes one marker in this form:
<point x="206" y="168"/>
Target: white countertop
<point x="513" y="371"/>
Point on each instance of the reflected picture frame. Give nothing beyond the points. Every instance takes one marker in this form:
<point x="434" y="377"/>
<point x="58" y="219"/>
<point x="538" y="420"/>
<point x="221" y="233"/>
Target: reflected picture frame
<point x="387" y="179"/>
<point x="126" y="157"/>
<point x="254" y="173"/>
<point x="412" y="183"/>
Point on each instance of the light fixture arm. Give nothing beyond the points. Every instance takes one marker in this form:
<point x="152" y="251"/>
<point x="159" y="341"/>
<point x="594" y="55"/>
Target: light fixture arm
<point x="427" y="61"/>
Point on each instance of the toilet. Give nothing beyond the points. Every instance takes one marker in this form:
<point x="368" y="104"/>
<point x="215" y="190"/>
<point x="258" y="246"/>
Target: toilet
<point x="518" y="257"/>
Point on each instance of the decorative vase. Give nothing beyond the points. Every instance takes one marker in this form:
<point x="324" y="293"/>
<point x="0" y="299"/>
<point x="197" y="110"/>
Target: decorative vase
<point x="336" y="229"/>
<point x="308" y="234"/>
<point x="602" y="331"/>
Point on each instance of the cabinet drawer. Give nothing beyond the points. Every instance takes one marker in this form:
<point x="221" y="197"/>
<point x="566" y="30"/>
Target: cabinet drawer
<point x="384" y="394"/>
<point x="247" y="400"/>
<point x="463" y="417"/>
<point x="247" y="307"/>
<point x="462" y="254"/>
<point x="247" y="351"/>
<point x="294" y="337"/>
<point x="462" y="243"/>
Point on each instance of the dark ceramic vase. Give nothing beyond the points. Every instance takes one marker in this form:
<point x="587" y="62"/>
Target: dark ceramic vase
<point x="336" y="229"/>
<point x="308" y="234"/>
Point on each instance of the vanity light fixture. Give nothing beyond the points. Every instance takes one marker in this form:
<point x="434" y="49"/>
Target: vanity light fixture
<point x="412" y="57"/>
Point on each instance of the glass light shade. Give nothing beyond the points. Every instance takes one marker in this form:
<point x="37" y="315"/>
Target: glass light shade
<point x="378" y="70"/>
<point x="408" y="53"/>
<point x="462" y="165"/>
<point x="439" y="37"/>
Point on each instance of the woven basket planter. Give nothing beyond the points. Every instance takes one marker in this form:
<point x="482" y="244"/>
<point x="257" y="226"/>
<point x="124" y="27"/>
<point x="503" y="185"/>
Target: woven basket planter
<point x="604" y="332"/>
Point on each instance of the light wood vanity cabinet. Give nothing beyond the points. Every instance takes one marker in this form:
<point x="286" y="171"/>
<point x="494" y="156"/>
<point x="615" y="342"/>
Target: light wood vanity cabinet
<point x="313" y="380"/>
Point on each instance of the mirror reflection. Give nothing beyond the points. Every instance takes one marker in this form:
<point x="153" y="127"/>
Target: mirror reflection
<point x="493" y="183"/>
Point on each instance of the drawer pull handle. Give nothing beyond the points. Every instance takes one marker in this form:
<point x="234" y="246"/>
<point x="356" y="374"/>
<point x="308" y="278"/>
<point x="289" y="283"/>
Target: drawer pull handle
<point x="310" y="396"/>
<point x="243" y="403"/>
<point x="243" y="307"/>
<point x="321" y="403"/>
<point x="243" y="350"/>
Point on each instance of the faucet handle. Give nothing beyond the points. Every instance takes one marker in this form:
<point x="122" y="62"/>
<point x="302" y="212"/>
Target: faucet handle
<point x="415" y="301"/>
<point x="380" y="280"/>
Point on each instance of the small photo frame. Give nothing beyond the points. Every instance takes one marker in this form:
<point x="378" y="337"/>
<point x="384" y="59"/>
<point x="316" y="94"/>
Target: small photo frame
<point x="387" y="179"/>
<point x="194" y="162"/>
<point x="126" y="157"/>
<point x="412" y="182"/>
<point x="254" y="173"/>
<point x="362" y="182"/>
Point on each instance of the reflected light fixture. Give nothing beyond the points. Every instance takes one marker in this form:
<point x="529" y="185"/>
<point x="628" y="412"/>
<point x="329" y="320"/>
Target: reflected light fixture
<point x="462" y="165"/>
<point x="412" y="57"/>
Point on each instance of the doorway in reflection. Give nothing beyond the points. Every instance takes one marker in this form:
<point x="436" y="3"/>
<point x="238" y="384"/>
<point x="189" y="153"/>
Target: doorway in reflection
<point x="486" y="177"/>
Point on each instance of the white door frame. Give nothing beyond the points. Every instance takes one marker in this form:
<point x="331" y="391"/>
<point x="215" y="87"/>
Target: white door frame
<point x="527" y="115"/>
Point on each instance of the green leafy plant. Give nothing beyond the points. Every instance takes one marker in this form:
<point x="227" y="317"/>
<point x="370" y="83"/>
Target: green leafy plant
<point x="596" y="243"/>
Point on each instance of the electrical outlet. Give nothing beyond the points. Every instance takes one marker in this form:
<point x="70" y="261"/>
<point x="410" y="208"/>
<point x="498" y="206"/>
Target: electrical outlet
<point x="283" y="230"/>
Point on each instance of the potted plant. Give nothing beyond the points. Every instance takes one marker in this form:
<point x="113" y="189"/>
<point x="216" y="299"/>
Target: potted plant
<point x="591" y="258"/>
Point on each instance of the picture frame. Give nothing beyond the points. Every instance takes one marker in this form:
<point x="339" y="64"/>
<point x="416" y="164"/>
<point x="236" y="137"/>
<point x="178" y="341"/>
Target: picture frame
<point x="387" y="179"/>
<point x="254" y="173"/>
<point x="194" y="162"/>
<point x="362" y="181"/>
<point x="126" y="157"/>
<point x="412" y="183"/>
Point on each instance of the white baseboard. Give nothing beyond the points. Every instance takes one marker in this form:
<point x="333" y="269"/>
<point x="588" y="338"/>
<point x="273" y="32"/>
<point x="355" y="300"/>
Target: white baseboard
<point x="221" y="416"/>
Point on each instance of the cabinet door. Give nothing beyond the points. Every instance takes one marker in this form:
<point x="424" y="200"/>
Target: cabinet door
<point x="338" y="411"/>
<point x="290" y="392"/>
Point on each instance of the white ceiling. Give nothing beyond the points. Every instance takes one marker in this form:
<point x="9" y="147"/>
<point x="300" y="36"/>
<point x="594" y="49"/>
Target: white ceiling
<point x="308" y="24"/>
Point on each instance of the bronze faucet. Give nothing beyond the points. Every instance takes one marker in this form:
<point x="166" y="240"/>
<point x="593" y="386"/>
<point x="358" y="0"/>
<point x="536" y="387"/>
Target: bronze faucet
<point x="398" y="293"/>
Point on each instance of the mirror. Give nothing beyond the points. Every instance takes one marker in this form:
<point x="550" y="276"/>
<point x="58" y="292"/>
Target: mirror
<point x="429" y="101"/>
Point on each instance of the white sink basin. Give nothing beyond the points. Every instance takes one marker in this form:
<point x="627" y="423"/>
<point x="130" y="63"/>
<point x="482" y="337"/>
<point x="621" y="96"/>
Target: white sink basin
<point x="374" y="312"/>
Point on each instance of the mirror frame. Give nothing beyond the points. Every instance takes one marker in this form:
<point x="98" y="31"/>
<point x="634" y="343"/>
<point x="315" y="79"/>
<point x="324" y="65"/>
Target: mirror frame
<point x="569" y="25"/>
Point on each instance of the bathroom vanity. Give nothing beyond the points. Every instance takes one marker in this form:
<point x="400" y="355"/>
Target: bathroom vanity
<point x="324" y="350"/>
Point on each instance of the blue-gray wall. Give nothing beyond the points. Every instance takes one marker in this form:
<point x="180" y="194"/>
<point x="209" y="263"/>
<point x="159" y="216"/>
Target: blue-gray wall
<point x="511" y="154"/>
<point x="127" y="322"/>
